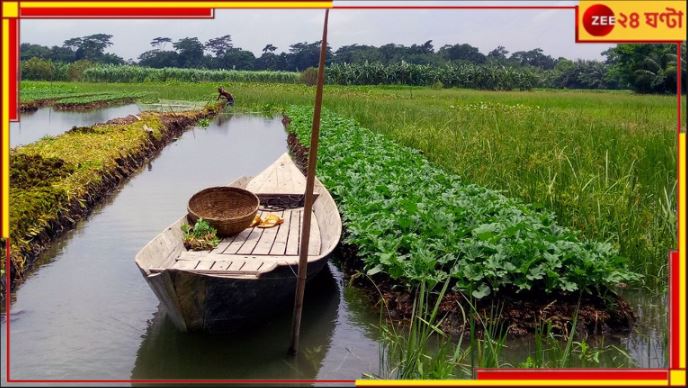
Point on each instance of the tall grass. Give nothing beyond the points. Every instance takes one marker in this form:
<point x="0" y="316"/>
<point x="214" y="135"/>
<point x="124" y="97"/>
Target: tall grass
<point x="124" y="73"/>
<point x="604" y="162"/>
<point x="419" y="349"/>
<point x="466" y="75"/>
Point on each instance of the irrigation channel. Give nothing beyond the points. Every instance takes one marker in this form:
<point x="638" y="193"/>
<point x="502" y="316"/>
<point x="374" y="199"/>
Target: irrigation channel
<point x="50" y="122"/>
<point x="85" y="312"/>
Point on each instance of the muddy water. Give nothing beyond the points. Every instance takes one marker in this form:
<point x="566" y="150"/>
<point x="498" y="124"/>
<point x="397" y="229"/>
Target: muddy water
<point x="87" y="313"/>
<point x="50" y="122"/>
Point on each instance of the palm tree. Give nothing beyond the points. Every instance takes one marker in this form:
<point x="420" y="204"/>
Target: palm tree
<point x="269" y="48"/>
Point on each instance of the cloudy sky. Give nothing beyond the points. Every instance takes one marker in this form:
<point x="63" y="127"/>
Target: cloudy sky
<point x="552" y="30"/>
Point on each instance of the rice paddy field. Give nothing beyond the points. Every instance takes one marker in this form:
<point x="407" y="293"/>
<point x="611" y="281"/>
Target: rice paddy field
<point x="603" y="162"/>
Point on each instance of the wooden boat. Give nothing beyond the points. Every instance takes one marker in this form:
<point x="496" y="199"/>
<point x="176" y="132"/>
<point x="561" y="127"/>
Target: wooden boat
<point x="250" y="276"/>
<point x="258" y="353"/>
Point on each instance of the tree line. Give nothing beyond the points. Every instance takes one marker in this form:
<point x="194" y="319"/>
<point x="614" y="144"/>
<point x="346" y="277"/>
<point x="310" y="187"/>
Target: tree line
<point x="643" y="68"/>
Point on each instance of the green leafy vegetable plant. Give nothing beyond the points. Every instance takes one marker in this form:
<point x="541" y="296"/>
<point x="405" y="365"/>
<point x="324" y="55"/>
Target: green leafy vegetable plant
<point x="201" y="236"/>
<point x="418" y="223"/>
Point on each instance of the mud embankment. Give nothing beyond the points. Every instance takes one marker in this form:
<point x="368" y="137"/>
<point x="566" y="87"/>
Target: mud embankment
<point x="34" y="105"/>
<point x="81" y="107"/>
<point x="519" y="313"/>
<point x="49" y="195"/>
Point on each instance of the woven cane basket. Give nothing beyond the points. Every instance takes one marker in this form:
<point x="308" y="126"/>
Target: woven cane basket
<point x="228" y="209"/>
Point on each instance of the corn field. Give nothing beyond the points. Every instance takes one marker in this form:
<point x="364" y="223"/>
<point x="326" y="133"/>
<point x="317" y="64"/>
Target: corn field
<point x="147" y="74"/>
<point x="491" y="77"/>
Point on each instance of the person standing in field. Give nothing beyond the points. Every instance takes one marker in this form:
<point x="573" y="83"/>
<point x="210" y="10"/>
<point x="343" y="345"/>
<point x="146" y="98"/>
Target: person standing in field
<point x="228" y="96"/>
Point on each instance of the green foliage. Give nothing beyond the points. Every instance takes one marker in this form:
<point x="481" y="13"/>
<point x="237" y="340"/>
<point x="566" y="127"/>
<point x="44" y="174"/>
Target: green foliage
<point x="76" y="69"/>
<point x="580" y="74"/>
<point x="92" y="48"/>
<point x="201" y="236"/>
<point x="421" y="350"/>
<point x="102" y="98"/>
<point x="310" y="76"/>
<point x="144" y="74"/>
<point x="37" y="69"/>
<point x="560" y="349"/>
<point x="33" y="170"/>
<point x="647" y="68"/>
<point x="418" y="223"/>
<point x="588" y="156"/>
<point x="465" y="75"/>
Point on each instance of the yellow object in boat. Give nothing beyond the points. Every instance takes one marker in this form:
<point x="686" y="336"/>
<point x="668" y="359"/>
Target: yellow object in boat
<point x="256" y="220"/>
<point x="270" y="221"/>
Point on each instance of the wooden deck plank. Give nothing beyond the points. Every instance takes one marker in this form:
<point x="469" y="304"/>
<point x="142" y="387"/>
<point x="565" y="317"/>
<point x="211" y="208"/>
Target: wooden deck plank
<point x="239" y="239"/>
<point x="294" y="236"/>
<point x="280" y="177"/>
<point x="267" y="239"/>
<point x="222" y="246"/>
<point x="234" y="246"/>
<point x="280" y="244"/>
<point x="251" y="241"/>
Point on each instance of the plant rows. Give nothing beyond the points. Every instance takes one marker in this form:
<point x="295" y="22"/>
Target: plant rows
<point x="112" y="73"/>
<point x="491" y="77"/>
<point x="97" y="98"/>
<point x="418" y="223"/>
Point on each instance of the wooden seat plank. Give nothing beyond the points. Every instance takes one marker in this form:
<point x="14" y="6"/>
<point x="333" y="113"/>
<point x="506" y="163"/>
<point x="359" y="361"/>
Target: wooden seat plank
<point x="252" y="266"/>
<point x="194" y="255"/>
<point x="236" y="265"/>
<point x="204" y="264"/>
<point x="186" y="264"/>
<point x="220" y="265"/>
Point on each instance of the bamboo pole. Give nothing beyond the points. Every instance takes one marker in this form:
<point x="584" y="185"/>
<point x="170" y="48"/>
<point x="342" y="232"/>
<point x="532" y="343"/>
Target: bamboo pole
<point x="308" y="197"/>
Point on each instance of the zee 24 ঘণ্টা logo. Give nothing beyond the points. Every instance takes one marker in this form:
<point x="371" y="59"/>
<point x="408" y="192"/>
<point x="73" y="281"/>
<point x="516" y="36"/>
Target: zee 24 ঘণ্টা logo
<point x="600" y="20"/>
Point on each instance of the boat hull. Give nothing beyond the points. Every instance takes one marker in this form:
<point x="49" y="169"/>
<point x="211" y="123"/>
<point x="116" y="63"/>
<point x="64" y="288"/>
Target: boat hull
<point x="202" y="302"/>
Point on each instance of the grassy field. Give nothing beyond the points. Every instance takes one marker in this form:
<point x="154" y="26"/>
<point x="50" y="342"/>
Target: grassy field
<point x="604" y="162"/>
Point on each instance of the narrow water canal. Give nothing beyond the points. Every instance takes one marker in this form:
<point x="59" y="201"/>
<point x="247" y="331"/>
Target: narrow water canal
<point x="87" y="313"/>
<point x="50" y="122"/>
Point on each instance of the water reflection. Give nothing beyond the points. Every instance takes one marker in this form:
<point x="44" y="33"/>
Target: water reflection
<point x="257" y="352"/>
<point x="49" y="122"/>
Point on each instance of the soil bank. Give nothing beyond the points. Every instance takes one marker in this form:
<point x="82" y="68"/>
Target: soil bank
<point x="56" y="182"/>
